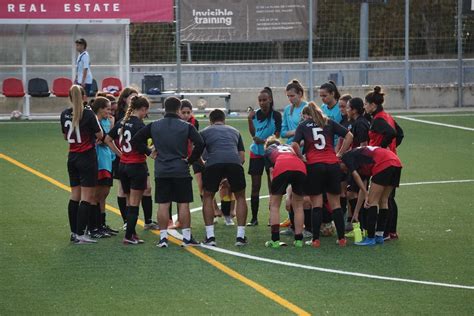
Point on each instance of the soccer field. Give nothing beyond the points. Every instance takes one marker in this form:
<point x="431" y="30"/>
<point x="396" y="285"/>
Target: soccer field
<point x="429" y="270"/>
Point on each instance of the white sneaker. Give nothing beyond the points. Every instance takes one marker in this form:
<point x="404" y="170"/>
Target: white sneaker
<point x="151" y="226"/>
<point x="228" y="221"/>
<point x="84" y="239"/>
<point x="124" y="227"/>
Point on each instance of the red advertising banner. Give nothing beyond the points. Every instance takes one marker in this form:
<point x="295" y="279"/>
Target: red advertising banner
<point x="135" y="10"/>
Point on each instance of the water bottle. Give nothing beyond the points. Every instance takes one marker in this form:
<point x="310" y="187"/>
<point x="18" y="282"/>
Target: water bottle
<point x="357" y="232"/>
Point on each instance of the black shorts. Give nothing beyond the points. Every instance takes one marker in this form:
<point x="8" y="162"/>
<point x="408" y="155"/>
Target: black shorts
<point x="296" y="179"/>
<point x="179" y="190"/>
<point x="115" y="168"/>
<point x="82" y="168"/>
<point x="213" y="175"/>
<point x="133" y="176"/>
<point x="197" y="167"/>
<point x="105" y="178"/>
<point x="256" y="166"/>
<point x="323" y="178"/>
<point x="388" y="177"/>
<point x="352" y="185"/>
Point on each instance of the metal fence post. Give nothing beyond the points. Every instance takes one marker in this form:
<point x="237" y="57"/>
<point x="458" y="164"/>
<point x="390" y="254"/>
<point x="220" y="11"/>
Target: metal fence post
<point x="460" y="61"/>
<point x="178" y="48"/>
<point x="364" y="41"/>
<point x="310" y="50"/>
<point x="407" y="54"/>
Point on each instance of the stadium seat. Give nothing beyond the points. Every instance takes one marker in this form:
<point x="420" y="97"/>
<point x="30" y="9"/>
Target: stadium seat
<point x="38" y="87"/>
<point x="13" y="87"/>
<point x="112" y="85"/>
<point x="61" y="87"/>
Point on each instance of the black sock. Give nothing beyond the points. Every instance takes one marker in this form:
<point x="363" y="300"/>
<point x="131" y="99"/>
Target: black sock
<point x="201" y="196"/>
<point x="352" y="203"/>
<point x="72" y="214"/>
<point x="225" y="207"/>
<point x="371" y="221"/>
<point x="147" y="205"/>
<point x="102" y="219"/>
<point x="326" y="216"/>
<point x="338" y="217"/>
<point x="382" y="219"/>
<point x="291" y="216"/>
<point x="254" y="204"/>
<point x="307" y="220"/>
<point x="171" y="210"/>
<point x="275" y="232"/>
<point x="92" y="219"/>
<point x="132" y="217"/>
<point x="363" y="218"/>
<point x="83" y="217"/>
<point x="122" y="203"/>
<point x="316" y="218"/>
<point x="98" y="217"/>
<point x="393" y="214"/>
<point x="298" y="236"/>
<point x="343" y="205"/>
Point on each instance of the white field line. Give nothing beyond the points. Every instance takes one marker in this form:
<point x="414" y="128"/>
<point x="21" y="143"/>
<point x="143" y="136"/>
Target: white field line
<point x="177" y="235"/>
<point x="440" y="115"/>
<point x="434" y="123"/>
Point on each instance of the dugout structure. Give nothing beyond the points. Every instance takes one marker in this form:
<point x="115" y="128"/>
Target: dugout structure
<point x="44" y="48"/>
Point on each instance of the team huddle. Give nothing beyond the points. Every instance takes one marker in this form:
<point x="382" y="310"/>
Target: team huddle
<point x="335" y="164"/>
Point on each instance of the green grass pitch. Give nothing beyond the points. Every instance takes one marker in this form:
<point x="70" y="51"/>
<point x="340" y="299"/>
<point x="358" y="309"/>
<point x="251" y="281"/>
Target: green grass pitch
<point x="42" y="273"/>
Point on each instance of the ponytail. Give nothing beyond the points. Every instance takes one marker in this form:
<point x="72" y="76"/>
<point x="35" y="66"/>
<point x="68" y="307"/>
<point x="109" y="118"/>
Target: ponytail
<point x="376" y="97"/>
<point x="136" y="103"/>
<point x="313" y="110"/>
<point x="331" y="88"/>
<point x="76" y="94"/>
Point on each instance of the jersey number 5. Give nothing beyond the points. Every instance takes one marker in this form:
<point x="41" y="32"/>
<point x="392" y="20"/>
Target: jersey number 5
<point x="318" y="136"/>
<point x="70" y="139"/>
<point x="125" y="141"/>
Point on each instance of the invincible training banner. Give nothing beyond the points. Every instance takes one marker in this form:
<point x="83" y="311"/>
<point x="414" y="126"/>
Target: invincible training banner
<point x="135" y="10"/>
<point x="244" y="20"/>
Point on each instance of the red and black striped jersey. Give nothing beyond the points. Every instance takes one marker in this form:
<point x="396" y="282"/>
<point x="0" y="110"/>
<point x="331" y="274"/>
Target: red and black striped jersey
<point x="82" y="137"/>
<point x="282" y="158"/>
<point x="130" y="154"/>
<point x="370" y="160"/>
<point x="319" y="141"/>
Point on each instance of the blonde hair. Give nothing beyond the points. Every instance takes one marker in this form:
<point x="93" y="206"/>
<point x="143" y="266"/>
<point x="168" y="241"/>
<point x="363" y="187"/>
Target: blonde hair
<point x="317" y="115"/>
<point x="272" y="140"/>
<point x="136" y="103"/>
<point x="76" y="94"/>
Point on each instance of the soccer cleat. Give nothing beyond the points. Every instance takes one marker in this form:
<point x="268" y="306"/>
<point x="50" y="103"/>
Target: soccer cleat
<point x="307" y="234"/>
<point x="285" y="223"/>
<point x="72" y="237"/>
<point x="313" y="243"/>
<point x="393" y="236"/>
<point x="298" y="243"/>
<point x="189" y="243"/>
<point x="124" y="227"/>
<point x="342" y="242"/>
<point x="328" y="229"/>
<point x="137" y="239"/>
<point x="151" y="226"/>
<point x="240" y="242"/>
<point x="287" y="232"/>
<point x="379" y="240"/>
<point x="253" y="222"/>
<point x="229" y="221"/>
<point x="366" y="242"/>
<point x="211" y="241"/>
<point x="110" y="231"/>
<point x="129" y="241"/>
<point x="163" y="243"/>
<point x="274" y="244"/>
<point x="96" y="234"/>
<point x="84" y="239"/>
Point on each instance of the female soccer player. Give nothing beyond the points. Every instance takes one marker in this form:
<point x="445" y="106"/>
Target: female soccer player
<point x="359" y="127"/>
<point x="122" y="104"/>
<point x="263" y="123"/>
<point x="101" y="107"/>
<point x="291" y="119"/>
<point x="330" y="97"/>
<point x="385" y="169"/>
<point x="133" y="170"/>
<point x="386" y="133"/>
<point x="323" y="172"/>
<point x="286" y="169"/>
<point x="80" y="128"/>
